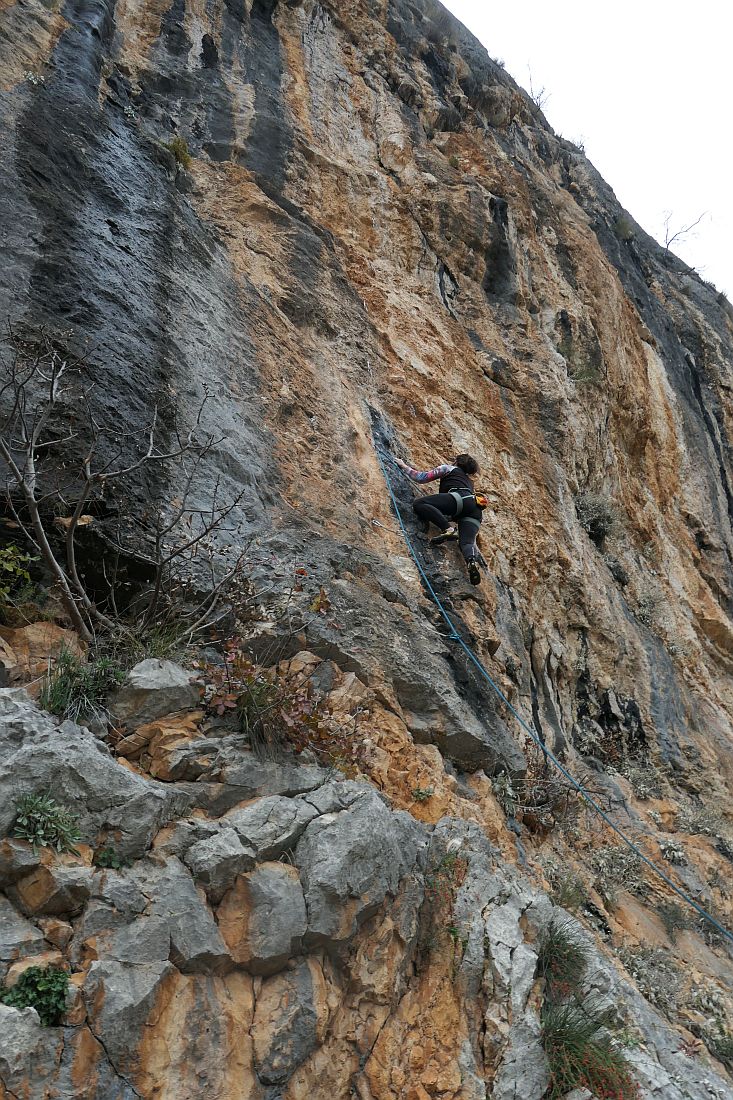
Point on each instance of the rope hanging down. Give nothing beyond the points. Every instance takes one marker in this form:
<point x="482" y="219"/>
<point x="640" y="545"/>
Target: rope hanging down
<point x="455" y="637"/>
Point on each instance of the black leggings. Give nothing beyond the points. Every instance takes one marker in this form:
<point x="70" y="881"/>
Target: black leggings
<point x="441" y="508"/>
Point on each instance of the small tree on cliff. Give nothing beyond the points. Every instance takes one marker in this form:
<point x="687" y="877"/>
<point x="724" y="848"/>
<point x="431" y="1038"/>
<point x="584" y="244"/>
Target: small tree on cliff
<point x="41" y="409"/>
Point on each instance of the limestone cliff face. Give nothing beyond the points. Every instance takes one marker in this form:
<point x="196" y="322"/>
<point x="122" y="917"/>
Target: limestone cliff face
<point x="379" y="240"/>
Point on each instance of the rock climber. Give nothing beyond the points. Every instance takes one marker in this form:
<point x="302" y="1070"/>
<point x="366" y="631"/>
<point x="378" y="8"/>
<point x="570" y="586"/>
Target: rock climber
<point x="457" y="501"/>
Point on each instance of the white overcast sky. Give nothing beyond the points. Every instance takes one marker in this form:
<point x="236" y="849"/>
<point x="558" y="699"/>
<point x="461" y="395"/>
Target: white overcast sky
<point x="648" y="88"/>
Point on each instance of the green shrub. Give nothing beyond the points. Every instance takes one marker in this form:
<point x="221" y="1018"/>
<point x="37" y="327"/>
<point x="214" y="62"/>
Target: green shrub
<point x="422" y="794"/>
<point x="42" y="988"/>
<point x="617" y="868"/>
<point x="40" y="820"/>
<point x="13" y="571"/>
<point x="694" y="818"/>
<point x="179" y="148"/>
<point x="623" y="227"/>
<point x="582" y="1054"/>
<point x="562" y="959"/>
<point x="76" y="689"/>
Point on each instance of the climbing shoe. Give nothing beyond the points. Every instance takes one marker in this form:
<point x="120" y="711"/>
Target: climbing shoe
<point x="444" y="536"/>
<point x="474" y="573"/>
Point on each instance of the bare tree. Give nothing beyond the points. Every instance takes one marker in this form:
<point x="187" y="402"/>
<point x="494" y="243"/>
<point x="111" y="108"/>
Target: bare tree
<point x="539" y="96"/>
<point x="671" y="236"/>
<point x="35" y="388"/>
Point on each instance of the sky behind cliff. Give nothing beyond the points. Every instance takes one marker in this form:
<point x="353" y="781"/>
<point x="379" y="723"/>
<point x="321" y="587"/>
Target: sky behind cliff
<point x="646" y="88"/>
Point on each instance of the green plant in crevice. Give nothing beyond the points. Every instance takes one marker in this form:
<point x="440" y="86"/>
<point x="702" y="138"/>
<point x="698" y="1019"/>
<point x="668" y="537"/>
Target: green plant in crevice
<point x="582" y="1053"/>
<point x="75" y="688"/>
<point x="422" y="794"/>
<point x="42" y="988"/>
<point x="178" y="146"/>
<point x="41" y="821"/>
<point x="597" y="516"/>
<point x="443" y="878"/>
<point x="108" y="858"/>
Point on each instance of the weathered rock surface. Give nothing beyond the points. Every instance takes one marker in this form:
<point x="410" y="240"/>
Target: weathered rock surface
<point x="378" y="242"/>
<point x="350" y="861"/>
<point x="36" y="755"/>
<point x="263" y="918"/>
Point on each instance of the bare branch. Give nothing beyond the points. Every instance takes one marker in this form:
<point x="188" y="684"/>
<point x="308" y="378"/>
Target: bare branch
<point x="679" y="234"/>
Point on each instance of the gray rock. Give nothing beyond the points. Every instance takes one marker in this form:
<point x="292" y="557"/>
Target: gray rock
<point x="119" y="999"/>
<point x="106" y="798"/>
<point x="28" y="1053"/>
<point x="284" y="1026"/>
<point x="55" y="889"/>
<point x="17" y="859"/>
<point x="182" y="836"/>
<point x="241" y="776"/>
<point x="153" y="688"/>
<point x="524" y="1073"/>
<point x="196" y="946"/>
<point x="336" y="795"/>
<point x="18" y="937"/>
<point x="272" y="825"/>
<point x="263" y="918"/>
<point x="217" y="860"/>
<point x="349" y="861"/>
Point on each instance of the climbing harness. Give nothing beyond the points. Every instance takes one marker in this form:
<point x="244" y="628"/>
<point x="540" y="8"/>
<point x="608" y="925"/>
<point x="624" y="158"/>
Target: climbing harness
<point x="454" y="636"/>
<point x="460" y="497"/>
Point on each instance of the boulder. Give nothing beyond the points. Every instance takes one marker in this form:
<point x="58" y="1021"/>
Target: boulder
<point x="263" y="918"/>
<point x="105" y="797"/>
<point x="240" y="776"/>
<point x="217" y="860"/>
<point x="28" y="1053"/>
<point x="54" y="889"/>
<point x="153" y="688"/>
<point x="17" y="859"/>
<point x="56" y="932"/>
<point x="196" y="946"/>
<point x="272" y="825"/>
<point x="350" y="861"/>
<point x="18" y="937"/>
<point x="119" y="1000"/>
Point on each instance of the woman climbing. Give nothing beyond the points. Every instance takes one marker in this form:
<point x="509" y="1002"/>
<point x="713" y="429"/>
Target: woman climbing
<point x="457" y="501"/>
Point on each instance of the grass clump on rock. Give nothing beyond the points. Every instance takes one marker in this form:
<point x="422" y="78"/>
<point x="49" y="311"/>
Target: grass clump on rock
<point x="562" y="960"/>
<point x="41" y="988"/>
<point x="76" y="689"/>
<point x="582" y="1053"/>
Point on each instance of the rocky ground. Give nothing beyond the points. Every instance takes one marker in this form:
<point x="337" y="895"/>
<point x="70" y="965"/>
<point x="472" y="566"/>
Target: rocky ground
<point x="377" y="244"/>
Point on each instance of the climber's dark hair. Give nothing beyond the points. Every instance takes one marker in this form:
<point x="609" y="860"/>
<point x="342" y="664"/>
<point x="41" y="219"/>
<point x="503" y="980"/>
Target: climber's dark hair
<point x="467" y="463"/>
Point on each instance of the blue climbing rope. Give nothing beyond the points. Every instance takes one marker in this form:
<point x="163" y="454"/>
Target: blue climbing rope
<point x="455" y="636"/>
